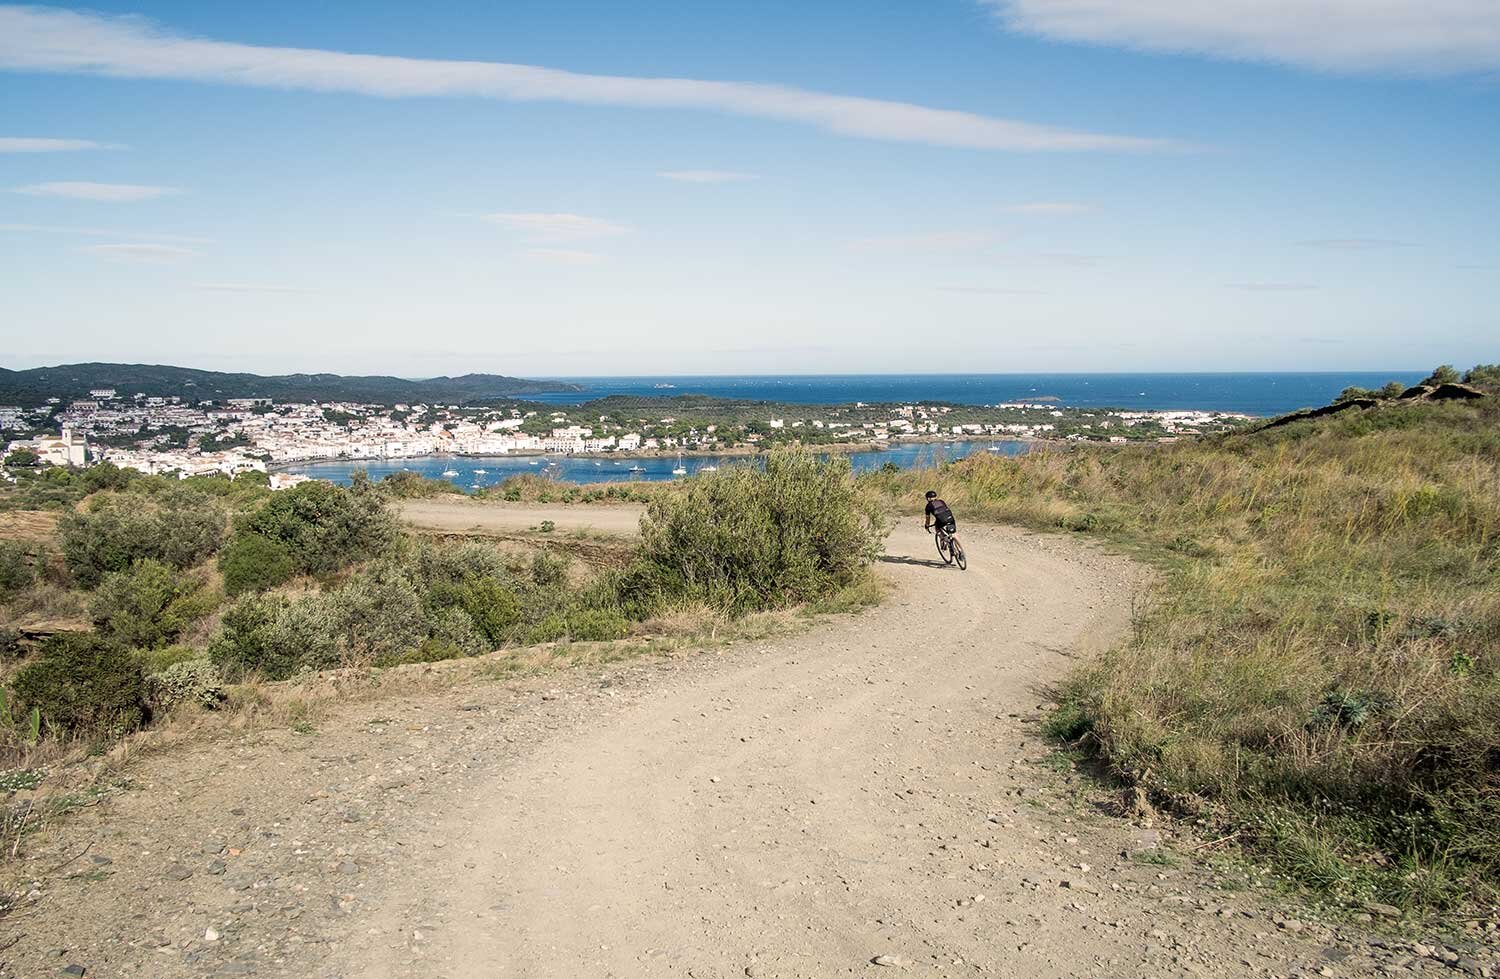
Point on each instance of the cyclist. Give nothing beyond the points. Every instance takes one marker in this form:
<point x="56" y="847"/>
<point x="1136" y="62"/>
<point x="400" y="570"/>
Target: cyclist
<point x="938" y="515"/>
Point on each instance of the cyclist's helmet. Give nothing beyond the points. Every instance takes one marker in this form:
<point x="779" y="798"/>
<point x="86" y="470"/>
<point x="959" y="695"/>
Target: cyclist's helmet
<point x="932" y="494"/>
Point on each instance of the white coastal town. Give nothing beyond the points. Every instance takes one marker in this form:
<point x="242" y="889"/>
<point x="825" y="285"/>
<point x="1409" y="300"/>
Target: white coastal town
<point x="161" y="435"/>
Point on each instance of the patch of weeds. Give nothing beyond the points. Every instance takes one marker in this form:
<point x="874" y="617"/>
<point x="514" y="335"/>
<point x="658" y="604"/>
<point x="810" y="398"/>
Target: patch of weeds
<point x="1069" y="724"/>
<point x="20" y="779"/>
<point x="547" y="527"/>
<point x="1156" y="858"/>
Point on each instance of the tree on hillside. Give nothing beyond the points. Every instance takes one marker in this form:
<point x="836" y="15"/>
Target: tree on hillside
<point x="22" y="457"/>
<point x="1483" y="376"/>
<point x="1443" y="375"/>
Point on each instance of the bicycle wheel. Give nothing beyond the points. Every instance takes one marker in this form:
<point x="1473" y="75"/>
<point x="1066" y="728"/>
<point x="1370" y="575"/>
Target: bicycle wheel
<point x="945" y="547"/>
<point x="962" y="561"/>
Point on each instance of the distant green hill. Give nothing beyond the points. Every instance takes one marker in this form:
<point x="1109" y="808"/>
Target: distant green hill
<point x="69" y="381"/>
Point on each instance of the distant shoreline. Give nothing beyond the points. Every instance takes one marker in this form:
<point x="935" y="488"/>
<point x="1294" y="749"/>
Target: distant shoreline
<point x="737" y="452"/>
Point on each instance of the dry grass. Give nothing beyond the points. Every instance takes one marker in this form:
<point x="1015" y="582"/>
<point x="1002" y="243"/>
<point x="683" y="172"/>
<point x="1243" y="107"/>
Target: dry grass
<point x="1321" y="666"/>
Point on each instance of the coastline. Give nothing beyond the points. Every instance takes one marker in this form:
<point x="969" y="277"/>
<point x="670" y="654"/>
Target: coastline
<point x="742" y="451"/>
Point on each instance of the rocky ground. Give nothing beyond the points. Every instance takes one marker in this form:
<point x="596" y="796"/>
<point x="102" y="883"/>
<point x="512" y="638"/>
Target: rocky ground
<point x="867" y="797"/>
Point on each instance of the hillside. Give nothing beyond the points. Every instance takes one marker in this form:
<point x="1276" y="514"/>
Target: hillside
<point x="1317" y="674"/>
<point x="69" y="381"/>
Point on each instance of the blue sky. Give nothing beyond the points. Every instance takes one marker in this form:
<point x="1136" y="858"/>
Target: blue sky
<point x="571" y="188"/>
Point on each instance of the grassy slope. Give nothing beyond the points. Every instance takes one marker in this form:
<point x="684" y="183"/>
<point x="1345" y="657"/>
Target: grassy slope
<point x="1320" y="671"/>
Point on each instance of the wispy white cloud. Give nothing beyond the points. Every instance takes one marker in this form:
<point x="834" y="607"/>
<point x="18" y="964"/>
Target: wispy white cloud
<point x="558" y="227"/>
<point x="992" y="291"/>
<point x="1272" y="286"/>
<point x="39" y="144"/>
<point x="86" y="191"/>
<point x="1355" y="244"/>
<point x="103" y="233"/>
<point x="925" y="241"/>
<point x="565" y="256"/>
<point x="54" y="40"/>
<point x="1426" y="37"/>
<point x="145" y="252"/>
<point x="244" y="287"/>
<point x="1049" y="207"/>
<point x="708" y="176"/>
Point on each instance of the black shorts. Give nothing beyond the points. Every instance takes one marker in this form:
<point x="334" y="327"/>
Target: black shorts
<point x="950" y="527"/>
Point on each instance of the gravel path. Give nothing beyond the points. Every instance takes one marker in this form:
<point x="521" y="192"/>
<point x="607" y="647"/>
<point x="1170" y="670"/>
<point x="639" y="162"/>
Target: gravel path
<point x="869" y="797"/>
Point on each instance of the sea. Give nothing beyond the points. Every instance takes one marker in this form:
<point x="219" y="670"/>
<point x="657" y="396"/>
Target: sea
<point x="1260" y="394"/>
<point x="469" y="473"/>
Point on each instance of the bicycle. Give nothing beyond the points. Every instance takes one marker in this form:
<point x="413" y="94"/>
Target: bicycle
<point x="951" y="551"/>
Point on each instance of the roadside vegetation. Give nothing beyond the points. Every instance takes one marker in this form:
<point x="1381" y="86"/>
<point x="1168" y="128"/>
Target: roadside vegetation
<point x="150" y="596"/>
<point x="1318" y="674"/>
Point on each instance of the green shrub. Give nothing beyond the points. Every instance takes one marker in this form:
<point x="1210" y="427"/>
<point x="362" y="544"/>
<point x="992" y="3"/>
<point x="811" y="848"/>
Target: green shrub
<point x="597" y="625"/>
<point x="325" y="527"/>
<point x="743" y="539"/>
<point x="158" y="659"/>
<point x="250" y="562"/>
<point x="453" y="627"/>
<point x="192" y="681"/>
<point x="15" y="568"/>
<point x="494" y="609"/>
<point x="551" y="628"/>
<point x="82" y="683"/>
<point x="548" y="570"/>
<point x="377" y="617"/>
<point x="148" y="605"/>
<point x="176" y="526"/>
<point x="257" y="635"/>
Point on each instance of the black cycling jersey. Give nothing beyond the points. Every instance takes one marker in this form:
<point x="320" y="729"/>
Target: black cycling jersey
<point x="940" y="514"/>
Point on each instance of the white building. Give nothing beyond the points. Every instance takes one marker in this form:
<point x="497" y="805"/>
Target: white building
<point x="69" y="449"/>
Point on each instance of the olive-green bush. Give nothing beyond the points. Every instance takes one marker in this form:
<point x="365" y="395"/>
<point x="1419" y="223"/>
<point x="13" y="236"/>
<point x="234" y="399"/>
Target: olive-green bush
<point x="83" y="684"/>
<point x="149" y="604"/>
<point x="15" y="569"/>
<point x="250" y="562"/>
<point x="324" y="527"/>
<point x="744" y="539"/>
<point x="180" y="527"/>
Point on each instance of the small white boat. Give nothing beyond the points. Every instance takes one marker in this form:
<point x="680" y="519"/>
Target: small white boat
<point x="535" y="463"/>
<point x="709" y="469"/>
<point x="450" y="473"/>
<point x="481" y="472"/>
<point x="681" y="470"/>
<point x="637" y="469"/>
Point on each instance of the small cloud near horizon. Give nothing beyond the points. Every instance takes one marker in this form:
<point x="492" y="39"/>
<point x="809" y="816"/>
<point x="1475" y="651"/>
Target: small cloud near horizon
<point x="244" y="287"/>
<point x="106" y="233"/>
<point x="565" y="256"/>
<point x="84" y="190"/>
<point x="1049" y="207"/>
<point x="925" y="241"/>
<point x="992" y="291"/>
<point x="557" y="227"/>
<point x="707" y="176"/>
<point x="1272" y="286"/>
<point x="42" y="144"/>
<point x="143" y="252"/>
<point x="1355" y="244"/>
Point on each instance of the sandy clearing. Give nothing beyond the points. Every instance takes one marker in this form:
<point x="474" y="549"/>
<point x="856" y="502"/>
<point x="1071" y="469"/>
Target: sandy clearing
<point x="466" y="516"/>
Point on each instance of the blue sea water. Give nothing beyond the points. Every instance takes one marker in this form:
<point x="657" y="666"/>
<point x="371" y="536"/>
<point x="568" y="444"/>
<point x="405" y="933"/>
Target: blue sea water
<point x="1251" y="393"/>
<point x="592" y="469"/>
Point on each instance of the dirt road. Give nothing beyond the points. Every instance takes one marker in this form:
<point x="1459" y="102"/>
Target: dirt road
<point x="460" y="516"/>
<point x="869" y="797"/>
